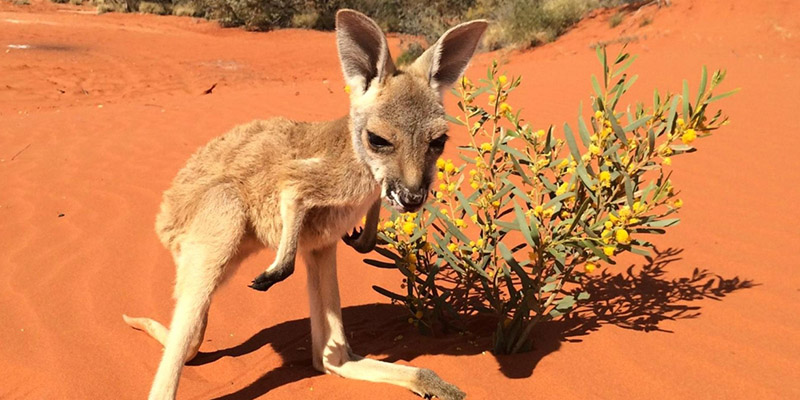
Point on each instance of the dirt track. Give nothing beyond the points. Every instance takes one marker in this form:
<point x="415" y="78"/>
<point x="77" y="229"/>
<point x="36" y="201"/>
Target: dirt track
<point x="101" y="111"/>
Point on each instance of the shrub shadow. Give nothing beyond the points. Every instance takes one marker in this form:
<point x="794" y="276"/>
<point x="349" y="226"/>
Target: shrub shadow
<point x="640" y="298"/>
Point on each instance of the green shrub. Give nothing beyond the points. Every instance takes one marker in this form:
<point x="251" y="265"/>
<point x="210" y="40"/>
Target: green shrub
<point x="187" y="9"/>
<point x="515" y="229"/>
<point x="412" y="51"/>
<point x="148" y="7"/>
<point x="616" y="19"/>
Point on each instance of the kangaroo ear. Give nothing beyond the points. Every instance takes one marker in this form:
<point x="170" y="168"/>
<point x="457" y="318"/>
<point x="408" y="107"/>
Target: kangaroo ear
<point x="363" y="50"/>
<point x="444" y="62"/>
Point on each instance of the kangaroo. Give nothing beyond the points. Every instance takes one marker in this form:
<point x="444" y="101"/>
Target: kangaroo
<point x="300" y="187"/>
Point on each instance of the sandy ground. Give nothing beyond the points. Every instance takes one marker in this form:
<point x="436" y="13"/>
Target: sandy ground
<point x="100" y="113"/>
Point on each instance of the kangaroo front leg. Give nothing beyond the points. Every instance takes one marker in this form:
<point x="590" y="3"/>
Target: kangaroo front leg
<point x="364" y="241"/>
<point x="292" y="215"/>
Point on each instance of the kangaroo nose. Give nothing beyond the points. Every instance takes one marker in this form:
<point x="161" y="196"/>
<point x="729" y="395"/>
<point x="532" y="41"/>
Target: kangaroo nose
<point x="412" y="201"/>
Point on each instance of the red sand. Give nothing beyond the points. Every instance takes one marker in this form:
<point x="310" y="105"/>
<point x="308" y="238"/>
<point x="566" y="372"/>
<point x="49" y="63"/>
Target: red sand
<point x="97" y="118"/>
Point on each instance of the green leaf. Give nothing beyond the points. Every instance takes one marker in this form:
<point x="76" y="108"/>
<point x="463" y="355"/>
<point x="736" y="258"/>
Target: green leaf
<point x="509" y="258"/>
<point x="702" y="89"/>
<point x="531" y="236"/>
<point x="596" y="86"/>
<point x="389" y="294"/>
<point x="380" y="264"/>
<point x="573" y="147"/>
<point x="685" y="100"/>
<point x="637" y="124"/>
<point x="566" y="303"/>
<point x="671" y="115"/>
<point x="454" y="120"/>
<point x="450" y="227"/>
<point x="617" y="129"/>
<point x="663" y="223"/>
<point x="721" y="96"/>
<point x="557" y="199"/>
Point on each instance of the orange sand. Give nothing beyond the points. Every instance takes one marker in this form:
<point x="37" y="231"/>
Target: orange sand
<point x="97" y="118"/>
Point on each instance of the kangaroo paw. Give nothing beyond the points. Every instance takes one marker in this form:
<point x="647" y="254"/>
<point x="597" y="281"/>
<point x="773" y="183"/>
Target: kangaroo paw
<point x="431" y="386"/>
<point x="266" y="279"/>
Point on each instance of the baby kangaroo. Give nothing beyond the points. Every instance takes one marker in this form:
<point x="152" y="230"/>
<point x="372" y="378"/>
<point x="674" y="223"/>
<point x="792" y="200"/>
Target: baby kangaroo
<point x="300" y="186"/>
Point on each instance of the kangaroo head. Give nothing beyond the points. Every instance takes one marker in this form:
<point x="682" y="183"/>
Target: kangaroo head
<point x="397" y="117"/>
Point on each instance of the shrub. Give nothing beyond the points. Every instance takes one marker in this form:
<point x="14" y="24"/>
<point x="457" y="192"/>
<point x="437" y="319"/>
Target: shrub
<point x="515" y="228"/>
<point x="187" y="9"/>
<point x="616" y="19"/>
<point x="149" y="7"/>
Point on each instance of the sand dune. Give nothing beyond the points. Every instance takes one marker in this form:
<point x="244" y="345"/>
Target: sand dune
<point x="100" y="112"/>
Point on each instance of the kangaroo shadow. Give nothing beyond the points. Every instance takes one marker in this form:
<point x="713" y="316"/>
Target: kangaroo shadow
<point x="640" y="298"/>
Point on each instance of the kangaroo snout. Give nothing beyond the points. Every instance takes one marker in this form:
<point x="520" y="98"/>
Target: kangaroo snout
<point x="404" y="199"/>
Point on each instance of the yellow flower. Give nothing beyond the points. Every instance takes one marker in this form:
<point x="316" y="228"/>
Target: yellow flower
<point x="678" y="203"/>
<point x="622" y="236"/>
<point x="486" y="146"/>
<point x="505" y="107"/>
<point x="443" y="186"/>
<point x="440" y="163"/>
<point x="449" y="167"/>
<point x="465" y="81"/>
<point x="606" y="233"/>
<point x="443" y="211"/>
<point x="609" y="250"/>
<point x="605" y="177"/>
<point x="689" y="136"/>
<point x="408" y="227"/>
<point x="538" y="210"/>
<point x="439" y="195"/>
<point x="479" y="243"/>
<point x="613" y="218"/>
<point x="474" y="185"/>
<point x="502" y="79"/>
<point x="472" y="172"/>
<point x="562" y="188"/>
<point x="452" y="247"/>
<point x="594" y="149"/>
<point x="598" y="114"/>
<point x="388" y="225"/>
<point x="680" y="122"/>
<point x="549" y="212"/>
<point x="540" y="133"/>
<point x="624" y="212"/>
<point x="347" y="89"/>
<point x="460" y="223"/>
<point x="496" y="203"/>
<point x="451" y="187"/>
<point x="474" y="218"/>
<point x="590" y="267"/>
<point x="637" y="207"/>
<point x="633" y="221"/>
<point x="492" y="98"/>
<point x="608" y="225"/>
<point x="666" y="161"/>
<point x="563" y="164"/>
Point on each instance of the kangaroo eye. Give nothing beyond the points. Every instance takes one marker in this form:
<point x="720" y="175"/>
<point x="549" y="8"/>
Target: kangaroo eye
<point x="438" y="143"/>
<point x="377" y="142"/>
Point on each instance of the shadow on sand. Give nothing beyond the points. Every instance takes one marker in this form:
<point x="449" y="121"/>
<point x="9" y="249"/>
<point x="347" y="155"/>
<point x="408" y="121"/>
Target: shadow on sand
<point x="641" y="298"/>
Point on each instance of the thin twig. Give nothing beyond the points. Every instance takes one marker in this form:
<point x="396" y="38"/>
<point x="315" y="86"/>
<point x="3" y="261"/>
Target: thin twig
<point x="20" y="152"/>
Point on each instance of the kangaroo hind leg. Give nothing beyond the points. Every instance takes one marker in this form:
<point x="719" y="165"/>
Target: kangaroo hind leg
<point x="330" y="350"/>
<point x="208" y="246"/>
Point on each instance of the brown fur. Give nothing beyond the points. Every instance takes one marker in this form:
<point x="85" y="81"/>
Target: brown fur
<point x="298" y="187"/>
